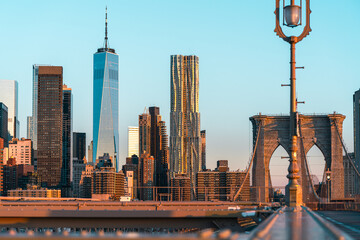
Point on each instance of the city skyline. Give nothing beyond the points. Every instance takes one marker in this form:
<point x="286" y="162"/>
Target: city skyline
<point x="236" y="74"/>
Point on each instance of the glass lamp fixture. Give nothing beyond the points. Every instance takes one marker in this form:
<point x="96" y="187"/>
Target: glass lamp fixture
<point x="292" y="14"/>
<point x="328" y="174"/>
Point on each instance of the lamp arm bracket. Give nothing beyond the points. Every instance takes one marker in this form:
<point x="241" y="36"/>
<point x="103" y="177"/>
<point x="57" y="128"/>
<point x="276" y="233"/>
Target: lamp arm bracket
<point x="307" y="28"/>
<point x="278" y="30"/>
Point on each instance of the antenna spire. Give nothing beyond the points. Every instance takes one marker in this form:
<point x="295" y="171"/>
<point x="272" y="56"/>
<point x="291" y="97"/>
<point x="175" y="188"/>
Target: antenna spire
<point x="106" y="37"/>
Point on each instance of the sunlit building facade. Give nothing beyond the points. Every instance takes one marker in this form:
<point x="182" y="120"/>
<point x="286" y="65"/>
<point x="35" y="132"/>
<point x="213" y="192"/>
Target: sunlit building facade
<point x="20" y="149"/>
<point x="106" y="103"/>
<point x="133" y="141"/>
<point x="185" y="140"/>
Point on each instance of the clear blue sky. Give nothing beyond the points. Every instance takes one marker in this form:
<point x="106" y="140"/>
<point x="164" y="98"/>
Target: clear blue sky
<point x="242" y="61"/>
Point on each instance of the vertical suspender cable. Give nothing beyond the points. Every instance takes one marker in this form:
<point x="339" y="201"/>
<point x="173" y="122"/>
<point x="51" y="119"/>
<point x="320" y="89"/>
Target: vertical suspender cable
<point x="252" y="159"/>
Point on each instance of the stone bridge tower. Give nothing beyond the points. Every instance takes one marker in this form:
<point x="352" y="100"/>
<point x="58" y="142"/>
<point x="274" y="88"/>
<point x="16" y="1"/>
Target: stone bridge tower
<point x="319" y="130"/>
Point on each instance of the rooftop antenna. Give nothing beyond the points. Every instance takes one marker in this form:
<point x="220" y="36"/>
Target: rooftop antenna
<point x="106" y="37"/>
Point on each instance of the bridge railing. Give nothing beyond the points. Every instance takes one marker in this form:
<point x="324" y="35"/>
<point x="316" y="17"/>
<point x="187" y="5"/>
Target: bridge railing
<point x="202" y="193"/>
<point x="335" y="206"/>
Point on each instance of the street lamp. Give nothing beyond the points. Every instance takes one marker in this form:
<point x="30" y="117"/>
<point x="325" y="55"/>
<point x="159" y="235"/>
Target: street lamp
<point x="292" y="17"/>
<point x="328" y="179"/>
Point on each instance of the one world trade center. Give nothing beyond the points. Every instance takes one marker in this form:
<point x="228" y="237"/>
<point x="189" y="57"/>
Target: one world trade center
<point x="106" y="103"/>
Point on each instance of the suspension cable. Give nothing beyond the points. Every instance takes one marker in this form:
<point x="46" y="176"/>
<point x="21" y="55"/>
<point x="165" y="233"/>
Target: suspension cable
<point x="252" y="159"/>
<point x="346" y="152"/>
<point x="306" y="163"/>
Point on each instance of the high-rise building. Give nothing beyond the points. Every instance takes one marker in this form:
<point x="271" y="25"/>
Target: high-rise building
<point x="356" y="102"/>
<point x="79" y="166"/>
<point x="162" y="174"/>
<point x="4" y="134"/>
<point x="90" y="152"/>
<point x="106" y="181"/>
<point x="185" y="140"/>
<point x="1" y="164"/>
<point x="49" y="124"/>
<point x="133" y="141"/>
<point x="349" y="176"/>
<point x="67" y="166"/>
<point x="85" y="185"/>
<point x="9" y="96"/>
<point x="155" y="118"/>
<point x="34" y="119"/>
<point x="79" y="145"/>
<point x="144" y="133"/>
<point x="147" y="176"/>
<point x="29" y="127"/>
<point x="106" y="102"/>
<point x="132" y="165"/>
<point x="203" y="149"/>
<point x="21" y="150"/>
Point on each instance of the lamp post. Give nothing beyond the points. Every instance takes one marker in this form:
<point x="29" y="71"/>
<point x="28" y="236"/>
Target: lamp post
<point x="292" y="17"/>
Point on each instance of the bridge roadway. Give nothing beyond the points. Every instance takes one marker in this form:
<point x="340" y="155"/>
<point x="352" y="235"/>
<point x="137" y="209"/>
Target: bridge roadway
<point x="136" y="216"/>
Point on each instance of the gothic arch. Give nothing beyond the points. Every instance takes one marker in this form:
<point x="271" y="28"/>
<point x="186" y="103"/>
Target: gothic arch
<point x="315" y="130"/>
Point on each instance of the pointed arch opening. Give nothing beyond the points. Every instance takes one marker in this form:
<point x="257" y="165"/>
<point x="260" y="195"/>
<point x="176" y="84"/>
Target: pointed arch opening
<point x="316" y="164"/>
<point x="278" y="169"/>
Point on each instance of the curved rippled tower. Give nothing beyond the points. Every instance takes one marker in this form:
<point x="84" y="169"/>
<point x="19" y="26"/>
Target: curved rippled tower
<point x="106" y="103"/>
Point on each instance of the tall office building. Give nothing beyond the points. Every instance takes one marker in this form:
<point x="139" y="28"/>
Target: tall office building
<point x="90" y="153"/>
<point x="203" y="149"/>
<point x="2" y="163"/>
<point x="29" y="127"/>
<point x="162" y="175"/>
<point x="154" y="131"/>
<point x="185" y="140"/>
<point x="133" y="141"/>
<point x="159" y="146"/>
<point x="79" y="165"/>
<point x="67" y="155"/>
<point x="9" y="96"/>
<point x="147" y="176"/>
<point x="106" y="102"/>
<point x="144" y="133"/>
<point x="356" y="104"/>
<point x="79" y="145"/>
<point x="34" y="118"/>
<point x="4" y="133"/>
<point x="49" y="124"/>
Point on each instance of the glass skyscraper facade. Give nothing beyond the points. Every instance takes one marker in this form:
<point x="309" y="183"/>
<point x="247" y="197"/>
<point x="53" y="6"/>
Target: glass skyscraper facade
<point x="106" y="103"/>
<point x="9" y="96"/>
